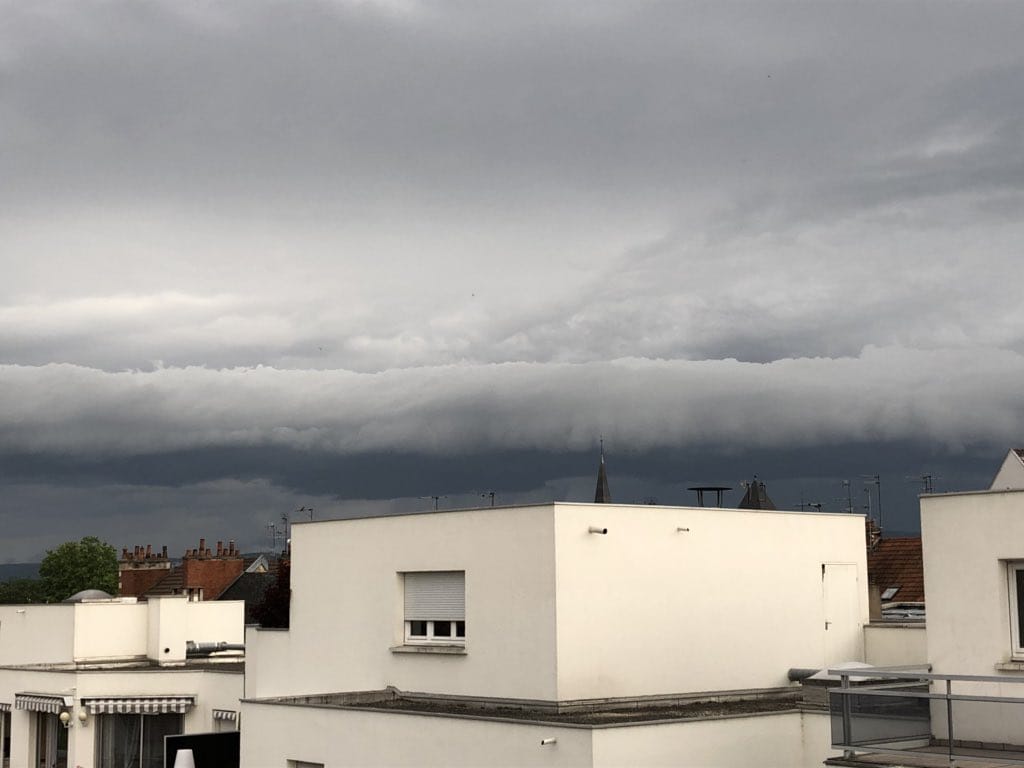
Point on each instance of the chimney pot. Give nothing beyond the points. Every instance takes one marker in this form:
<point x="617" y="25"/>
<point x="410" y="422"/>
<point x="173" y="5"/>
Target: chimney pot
<point x="202" y="544"/>
<point x="163" y="552"/>
<point x="124" y="553"/>
<point x="208" y="552"/>
<point x="149" y="551"/>
<point x="220" y="548"/>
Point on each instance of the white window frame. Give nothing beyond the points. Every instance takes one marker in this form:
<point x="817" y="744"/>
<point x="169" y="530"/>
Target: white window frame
<point x="431" y="636"/>
<point x="1013" y="568"/>
<point x="434" y="623"/>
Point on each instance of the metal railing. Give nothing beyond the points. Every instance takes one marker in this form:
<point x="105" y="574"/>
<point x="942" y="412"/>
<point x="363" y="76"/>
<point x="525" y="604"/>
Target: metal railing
<point x="886" y="709"/>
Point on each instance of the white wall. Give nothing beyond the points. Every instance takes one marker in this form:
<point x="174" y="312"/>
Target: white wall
<point x="346" y="610"/>
<point x="732" y="603"/>
<point x="273" y="734"/>
<point x="103" y="631"/>
<point x="1010" y="474"/>
<point x="215" y="621"/>
<point x="213" y="689"/>
<point x="110" y="631"/>
<point x="269" y="662"/>
<point x="14" y="681"/>
<point x="892" y="645"/>
<point x="968" y="539"/>
<point x="36" y="634"/>
<point x="782" y="740"/>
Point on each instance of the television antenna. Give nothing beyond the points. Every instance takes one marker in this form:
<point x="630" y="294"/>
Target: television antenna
<point x="926" y="480"/>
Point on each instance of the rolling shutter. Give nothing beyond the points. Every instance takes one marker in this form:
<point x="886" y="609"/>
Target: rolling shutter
<point x="435" y="595"/>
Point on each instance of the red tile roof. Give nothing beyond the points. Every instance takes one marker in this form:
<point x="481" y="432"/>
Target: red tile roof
<point x="898" y="563"/>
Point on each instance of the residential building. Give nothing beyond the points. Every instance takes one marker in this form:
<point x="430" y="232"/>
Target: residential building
<point x="99" y="682"/>
<point x="1010" y="476"/>
<point x="966" y="704"/>
<point x="896" y="577"/>
<point x="202" y="574"/>
<point x="974" y="574"/>
<point x="557" y="634"/>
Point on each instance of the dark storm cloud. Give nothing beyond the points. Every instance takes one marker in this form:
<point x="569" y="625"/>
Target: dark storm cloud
<point x="348" y="250"/>
<point x="954" y="398"/>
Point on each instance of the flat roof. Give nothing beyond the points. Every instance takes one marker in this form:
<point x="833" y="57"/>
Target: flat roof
<point x="625" y="712"/>
<point x="499" y="507"/>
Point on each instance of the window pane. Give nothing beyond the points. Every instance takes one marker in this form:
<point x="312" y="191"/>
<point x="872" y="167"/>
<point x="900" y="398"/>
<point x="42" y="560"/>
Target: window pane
<point x="460" y="629"/>
<point x="119" y="741"/>
<point x="1019" y="573"/>
<point x="154" y="728"/>
<point x="417" y="629"/>
<point x="442" y="629"/>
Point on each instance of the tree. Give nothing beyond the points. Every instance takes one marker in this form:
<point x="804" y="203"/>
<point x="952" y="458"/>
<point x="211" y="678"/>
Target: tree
<point x="21" y="591"/>
<point x="273" y="610"/>
<point x="77" y="565"/>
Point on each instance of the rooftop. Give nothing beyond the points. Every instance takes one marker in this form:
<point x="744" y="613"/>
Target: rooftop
<point x="896" y="567"/>
<point x="618" y="712"/>
<point x="507" y="507"/>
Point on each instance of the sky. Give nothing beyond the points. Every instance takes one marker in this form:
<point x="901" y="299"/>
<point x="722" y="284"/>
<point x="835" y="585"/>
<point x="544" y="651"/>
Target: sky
<point x="348" y="255"/>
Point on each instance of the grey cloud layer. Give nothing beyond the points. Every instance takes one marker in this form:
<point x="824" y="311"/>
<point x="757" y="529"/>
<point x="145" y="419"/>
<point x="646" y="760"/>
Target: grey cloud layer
<point x="441" y="228"/>
<point x="953" y="398"/>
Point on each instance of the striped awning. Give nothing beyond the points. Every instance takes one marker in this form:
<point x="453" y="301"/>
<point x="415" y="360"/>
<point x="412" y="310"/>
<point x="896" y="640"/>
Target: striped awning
<point x="225" y="714"/>
<point x="5" y="706"/>
<point x="39" y="702"/>
<point x="140" y="705"/>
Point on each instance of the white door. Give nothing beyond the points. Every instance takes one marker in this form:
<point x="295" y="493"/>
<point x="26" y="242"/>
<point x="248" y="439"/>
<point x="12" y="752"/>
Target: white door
<point x="843" y="627"/>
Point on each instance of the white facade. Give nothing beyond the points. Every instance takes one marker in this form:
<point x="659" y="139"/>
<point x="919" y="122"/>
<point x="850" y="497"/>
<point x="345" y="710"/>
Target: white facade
<point x="1010" y="476"/>
<point x="274" y="735"/>
<point x="972" y="542"/>
<point x="71" y="658"/>
<point x="670" y="601"/>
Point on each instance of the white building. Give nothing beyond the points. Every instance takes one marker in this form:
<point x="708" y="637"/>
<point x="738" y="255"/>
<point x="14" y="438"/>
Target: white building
<point x="1011" y="472"/>
<point x="974" y="574"/>
<point x="470" y="637"/>
<point x="973" y="548"/>
<point x="99" y="683"/>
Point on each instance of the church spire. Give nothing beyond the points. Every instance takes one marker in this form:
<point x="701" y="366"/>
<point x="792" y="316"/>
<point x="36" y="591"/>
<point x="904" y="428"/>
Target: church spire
<point x="602" y="495"/>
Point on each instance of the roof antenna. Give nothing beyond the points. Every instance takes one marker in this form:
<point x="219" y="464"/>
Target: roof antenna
<point x="602" y="495"/>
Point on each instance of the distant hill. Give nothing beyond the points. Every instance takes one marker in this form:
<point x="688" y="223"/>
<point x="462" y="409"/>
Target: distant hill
<point x="9" y="571"/>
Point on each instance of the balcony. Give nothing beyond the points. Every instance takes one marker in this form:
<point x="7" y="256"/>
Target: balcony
<point x="906" y="717"/>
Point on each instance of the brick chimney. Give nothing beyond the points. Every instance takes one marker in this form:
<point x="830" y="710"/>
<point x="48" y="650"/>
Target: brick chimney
<point x="208" y="574"/>
<point x="140" y="570"/>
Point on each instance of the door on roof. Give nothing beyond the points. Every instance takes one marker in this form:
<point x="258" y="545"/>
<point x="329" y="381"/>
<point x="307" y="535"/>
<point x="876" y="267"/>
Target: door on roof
<point x="843" y="628"/>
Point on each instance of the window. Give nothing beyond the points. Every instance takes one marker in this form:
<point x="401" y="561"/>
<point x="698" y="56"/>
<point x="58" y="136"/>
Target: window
<point x="1015" y="573"/>
<point x="6" y="738"/>
<point x="134" y="741"/>
<point x="51" y="741"/>
<point x="435" y="607"/>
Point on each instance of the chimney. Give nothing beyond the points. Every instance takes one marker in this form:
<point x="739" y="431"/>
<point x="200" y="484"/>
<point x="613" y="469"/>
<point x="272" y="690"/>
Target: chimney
<point x="163" y="552"/>
<point x="149" y="551"/>
<point x="202" y="545"/>
<point x="231" y="546"/>
<point x="124" y="553"/>
<point x="220" y="549"/>
<point x="207" y="552"/>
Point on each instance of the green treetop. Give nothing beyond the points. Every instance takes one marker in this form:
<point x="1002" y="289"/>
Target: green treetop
<point x="77" y="565"/>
